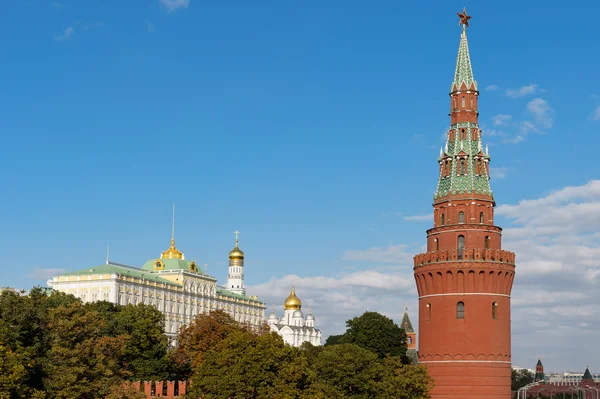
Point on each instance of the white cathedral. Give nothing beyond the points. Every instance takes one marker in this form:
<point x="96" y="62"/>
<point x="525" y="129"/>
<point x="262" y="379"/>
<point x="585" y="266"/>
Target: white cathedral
<point x="293" y="327"/>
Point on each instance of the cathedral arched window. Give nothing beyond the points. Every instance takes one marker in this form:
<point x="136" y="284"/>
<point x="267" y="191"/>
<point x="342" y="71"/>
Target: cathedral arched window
<point x="481" y="217"/>
<point x="442" y="219"/>
<point x="461" y="246"/>
<point x="461" y="217"/>
<point x="487" y="242"/>
<point x="494" y="309"/>
<point x="460" y="310"/>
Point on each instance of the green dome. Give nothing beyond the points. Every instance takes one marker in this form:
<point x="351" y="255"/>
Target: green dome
<point x="159" y="264"/>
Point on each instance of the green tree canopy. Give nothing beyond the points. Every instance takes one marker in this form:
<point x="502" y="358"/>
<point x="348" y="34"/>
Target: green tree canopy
<point x="520" y="378"/>
<point x="375" y="332"/>
<point x="247" y="365"/>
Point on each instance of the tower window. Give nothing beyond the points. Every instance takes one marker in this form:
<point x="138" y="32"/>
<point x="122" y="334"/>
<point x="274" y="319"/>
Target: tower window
<point x="442" y="219"/>
<point x="460" y="310"/>
<point x="409" y="340"/>
<point x="461" y="217"/>
<point x="494" y="310"/>
<point x="436" y="244"/>
<point x="487" y="242"/>
<point x="479" y="168"/>
<point x="481" y="217"/>
<point x="463" y="167"/>
<point x="428" y="311"/>
<point x="461" y="246"/>
<point x="463" y="101"/>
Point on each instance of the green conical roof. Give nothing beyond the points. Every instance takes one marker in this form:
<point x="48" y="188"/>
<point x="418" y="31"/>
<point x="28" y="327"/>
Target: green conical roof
<point x="587" y="375"/>
<point x="406" y="324"/>
<point x="464" y="71"/>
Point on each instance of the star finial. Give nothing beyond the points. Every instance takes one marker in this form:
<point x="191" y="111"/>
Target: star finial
<point x="464" y="18"/>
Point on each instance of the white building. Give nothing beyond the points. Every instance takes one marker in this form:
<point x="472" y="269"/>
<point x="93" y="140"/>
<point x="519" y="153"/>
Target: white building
<point x="176" y="286"/>
<point x="293" y="327"/>
<point x="570" y="377"/>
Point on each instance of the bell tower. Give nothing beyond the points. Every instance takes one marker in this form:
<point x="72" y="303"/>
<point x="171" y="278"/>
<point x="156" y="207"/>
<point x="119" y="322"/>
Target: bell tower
<point x="464" y="280"/>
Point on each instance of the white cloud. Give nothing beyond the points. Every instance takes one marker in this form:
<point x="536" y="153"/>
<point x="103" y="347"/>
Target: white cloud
<point x="501" y="119"/>
<point x="418" y="218"/>
<point x="498" y="172"/>
<point x="149" y="26"/>
<point x="492" y="87"/>
<point x="541" y="111"/>
<point x="596" y="114"/>
<point x="67" y="34"/>
<point x="522" y="91"/>
<point x="39" y="273"/>
<point x="173" y="5"/>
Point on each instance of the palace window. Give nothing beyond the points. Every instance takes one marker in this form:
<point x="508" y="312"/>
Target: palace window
<point x="461" y="217"/>
<point x="487" y="242"/>
<point x="494" y="309"/>
<point x="481" y="217"/>
<point x="460" y="310"/>
<point x="461" y="246"/>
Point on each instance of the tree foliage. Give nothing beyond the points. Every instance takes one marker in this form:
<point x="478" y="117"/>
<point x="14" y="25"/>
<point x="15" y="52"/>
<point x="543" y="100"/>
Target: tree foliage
<point x="375" y="332"/>
<point x="520" y="378"/>
<point x="54" y="346"/>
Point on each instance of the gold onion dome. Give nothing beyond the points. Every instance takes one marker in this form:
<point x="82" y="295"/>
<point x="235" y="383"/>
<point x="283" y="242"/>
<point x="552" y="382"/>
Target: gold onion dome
<point x="172" y="252"/>
<point x="292" y="302"/>
<point x="236" y="253"/>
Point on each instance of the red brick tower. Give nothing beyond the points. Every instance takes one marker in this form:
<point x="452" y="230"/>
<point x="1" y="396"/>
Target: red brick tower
<point x="464" y="280"/>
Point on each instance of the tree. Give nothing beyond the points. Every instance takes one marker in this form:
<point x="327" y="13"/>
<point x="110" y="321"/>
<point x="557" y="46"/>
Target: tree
<point x="520" y="378"/>
<point x="335" y="340"/>
<point x="401" y="381"/>
<point x="145" y="354"/>
<point x="347" y="371"/>
<point x="206" y="332"/>
<point x="377" y="333"/>
<point x="81" y="363"/>
<point x="250" y="366"/>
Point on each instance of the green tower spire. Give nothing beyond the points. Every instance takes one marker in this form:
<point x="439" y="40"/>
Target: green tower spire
<point x="464" y="162"/>
<point x="464" y="71"/>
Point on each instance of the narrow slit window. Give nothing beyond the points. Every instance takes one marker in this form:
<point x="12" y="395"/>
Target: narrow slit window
<point x="443" y="219"/>
<point x="487" y="242"/>
<point x="481" y="217"/>
<point x="436" y="244"/>
<point x="463" y="166"/>
<point x="461" y="217"/>
<point x="494" y="310"/>
<point x="428" y="311"/>
<point x="461" y="246"/>
<point x="460" y="310"/>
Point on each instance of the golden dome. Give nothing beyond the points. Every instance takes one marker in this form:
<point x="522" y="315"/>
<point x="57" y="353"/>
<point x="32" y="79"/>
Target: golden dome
<point x="172" y="252"/>
<point x="292" y="302"/>
<point x="236" y="253"/>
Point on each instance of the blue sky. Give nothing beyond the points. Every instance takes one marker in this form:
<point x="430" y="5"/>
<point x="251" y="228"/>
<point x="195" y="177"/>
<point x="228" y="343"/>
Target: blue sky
<point x="312" y="128"/>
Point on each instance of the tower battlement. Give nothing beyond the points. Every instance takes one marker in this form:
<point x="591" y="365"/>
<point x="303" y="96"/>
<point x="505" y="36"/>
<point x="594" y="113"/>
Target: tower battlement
<point x="466" y="255"/>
